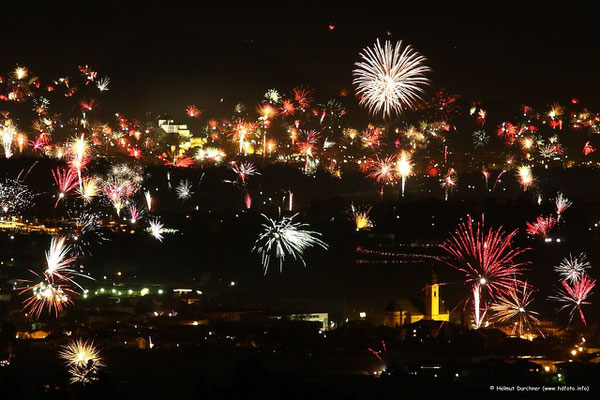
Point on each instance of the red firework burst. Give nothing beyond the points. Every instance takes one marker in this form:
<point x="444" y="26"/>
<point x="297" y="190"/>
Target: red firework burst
<point x="179" y="161"/>
<point x="507" y="131"/>
<point x="588" y="149"/>
<point x="541" y="226"/>
<point x="287" y="107"/>
<point x="302" y="95"/>
<point x="88" y="105"/>
<point x="193" y="111"/>
<point x="575" y="295"/>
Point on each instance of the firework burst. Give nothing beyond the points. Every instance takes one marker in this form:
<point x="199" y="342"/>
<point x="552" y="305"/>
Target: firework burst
<point x="574" y="295"/>
<point x="47" y="295"/>
<point x="390" y="79"/>
<point x="184" y="190"/>
<point x="361" y="218"/>
<point x="15" y="196"/>
<point x="561" y="203"/>
<point x="487" y="258"/>
<point x="285" y="238"/>
<point x="513" y="307"/>
<point x="480" y="138"/>
<point x="541" y="226"/>
<point x="83" y="360"/>
<point x="66" y="180"/>
<point x="525" y="176"/>
<point x="244" y="170"/>
<point x="571" y="268"/>
<point x="157" y="229"/>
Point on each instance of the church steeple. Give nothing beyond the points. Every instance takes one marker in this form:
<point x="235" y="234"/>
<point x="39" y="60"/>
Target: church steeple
<point x="432" y="298"/>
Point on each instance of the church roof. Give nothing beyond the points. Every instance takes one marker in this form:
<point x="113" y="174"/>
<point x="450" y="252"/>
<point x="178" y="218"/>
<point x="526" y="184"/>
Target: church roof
<point x="412" y="306"/>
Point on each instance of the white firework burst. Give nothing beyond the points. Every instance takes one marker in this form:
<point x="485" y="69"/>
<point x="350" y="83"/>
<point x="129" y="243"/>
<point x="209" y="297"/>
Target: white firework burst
<point x="561" y="203"/>
<point x="285" y="238"/>
<point x="157" y="229"/>
<point x="390" y="79"/>
<point x="572" y="267"/>
<point x="102" y="84"/>
<point x="184" y="190"/>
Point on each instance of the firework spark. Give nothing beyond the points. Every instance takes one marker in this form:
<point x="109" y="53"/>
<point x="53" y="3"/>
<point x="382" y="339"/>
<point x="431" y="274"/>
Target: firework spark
<point x="390" y="79"/>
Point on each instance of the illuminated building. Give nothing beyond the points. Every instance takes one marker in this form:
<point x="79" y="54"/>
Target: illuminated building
<point x="407" y="311"/>
<point x="322" y="318"/>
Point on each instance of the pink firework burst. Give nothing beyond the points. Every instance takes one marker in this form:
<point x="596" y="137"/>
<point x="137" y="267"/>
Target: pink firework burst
<point x="66" y="180"/>
<point x="487" y="258"/>
<point x="574" y="295"/>
<point x="383" y="170"/>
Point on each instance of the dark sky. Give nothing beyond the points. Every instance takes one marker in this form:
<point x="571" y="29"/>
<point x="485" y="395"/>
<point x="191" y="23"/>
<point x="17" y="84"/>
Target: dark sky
<point x="161" y="57"/>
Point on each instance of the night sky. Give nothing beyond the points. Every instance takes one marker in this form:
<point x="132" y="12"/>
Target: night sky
<point x="162" y="57"/>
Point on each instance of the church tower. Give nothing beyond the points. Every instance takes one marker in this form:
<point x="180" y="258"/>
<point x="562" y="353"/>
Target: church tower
<point x="432" y="298"/>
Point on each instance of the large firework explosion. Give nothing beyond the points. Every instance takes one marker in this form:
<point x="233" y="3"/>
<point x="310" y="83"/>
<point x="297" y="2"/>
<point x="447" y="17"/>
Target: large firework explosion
<point x="390" y="78"/>
<point x="488" y="260"/>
